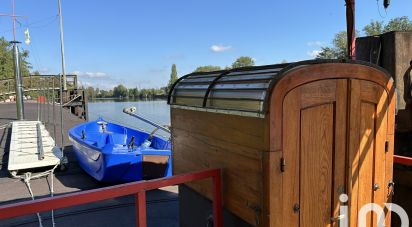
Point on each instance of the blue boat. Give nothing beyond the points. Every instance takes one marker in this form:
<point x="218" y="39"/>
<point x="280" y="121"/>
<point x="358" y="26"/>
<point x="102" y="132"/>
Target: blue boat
<point x="113" y="153"/>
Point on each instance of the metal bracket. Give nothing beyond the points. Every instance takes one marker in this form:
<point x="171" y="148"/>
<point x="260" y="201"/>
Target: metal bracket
<point x="282" y="164"/>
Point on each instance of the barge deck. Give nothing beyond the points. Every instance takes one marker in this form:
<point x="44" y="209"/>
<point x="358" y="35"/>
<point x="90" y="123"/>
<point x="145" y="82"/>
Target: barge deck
<point x="162" y="204"/>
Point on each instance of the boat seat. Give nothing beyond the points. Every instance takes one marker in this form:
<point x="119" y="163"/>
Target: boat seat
<point x="97" y="139"/>
<point x="118" y="139"/>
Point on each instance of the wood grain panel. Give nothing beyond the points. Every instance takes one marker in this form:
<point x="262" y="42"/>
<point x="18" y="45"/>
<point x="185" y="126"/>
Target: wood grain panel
<point x="291" y="147"/>
<point x="353" y="151"/>
<point x="369" y="110"/>
<point x="366" y="157"/>
<point x="317" y="126"/>
<point x="236" y="144"/>
<point x="340" y="146"/>
<point x="318" y="92"/>
<point x="379" y="195"/>
<point x="245" y="131"/>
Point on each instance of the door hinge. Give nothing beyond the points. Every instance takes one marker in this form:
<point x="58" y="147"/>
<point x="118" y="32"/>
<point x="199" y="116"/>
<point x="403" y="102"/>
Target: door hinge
<point x="386" y="146"/>
<point x="282" y="164"/>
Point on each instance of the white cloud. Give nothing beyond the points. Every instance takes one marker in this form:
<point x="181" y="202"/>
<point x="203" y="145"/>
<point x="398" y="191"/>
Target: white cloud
<point x="313" y="53"/>
<point x="90" y="74"/>
<point x="315" y="43"/>
<point x="219" y="48"/>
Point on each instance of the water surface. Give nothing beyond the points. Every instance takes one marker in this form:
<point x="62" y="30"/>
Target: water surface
<point x="112" y="111"/>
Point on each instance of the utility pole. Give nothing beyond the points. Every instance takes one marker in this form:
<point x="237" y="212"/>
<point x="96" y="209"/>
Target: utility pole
<point x="17" y="72"/>
<point x="350" y="28"/>
<point x="62" y="47"/>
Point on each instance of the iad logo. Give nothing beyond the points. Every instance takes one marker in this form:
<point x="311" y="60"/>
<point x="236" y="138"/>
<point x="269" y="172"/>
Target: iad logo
<point x="371" y="207"/>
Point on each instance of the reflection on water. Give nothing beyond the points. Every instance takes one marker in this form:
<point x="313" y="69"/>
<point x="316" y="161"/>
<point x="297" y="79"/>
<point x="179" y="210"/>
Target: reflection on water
<point x="112" y="111"/>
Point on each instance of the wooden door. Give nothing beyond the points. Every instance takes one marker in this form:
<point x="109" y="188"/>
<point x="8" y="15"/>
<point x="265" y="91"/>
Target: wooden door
<point x="314" y="138"/>
<point x="334" y="139"/>
<point x="368" y="119"/>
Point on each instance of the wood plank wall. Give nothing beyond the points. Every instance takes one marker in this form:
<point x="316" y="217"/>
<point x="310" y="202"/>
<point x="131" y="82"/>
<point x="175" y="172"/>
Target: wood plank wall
<point x="202" y="141"/>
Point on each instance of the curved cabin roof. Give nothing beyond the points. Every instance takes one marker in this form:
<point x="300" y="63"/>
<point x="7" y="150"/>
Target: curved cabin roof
<point x="241" y="91"/>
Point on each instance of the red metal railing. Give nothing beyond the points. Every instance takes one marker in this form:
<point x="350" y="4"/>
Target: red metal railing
<point x="402" y="160"/>
<point x="137" y="188"/>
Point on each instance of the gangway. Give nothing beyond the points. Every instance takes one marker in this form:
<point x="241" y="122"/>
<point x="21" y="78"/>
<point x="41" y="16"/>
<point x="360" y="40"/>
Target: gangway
<point x="31" y="146"/>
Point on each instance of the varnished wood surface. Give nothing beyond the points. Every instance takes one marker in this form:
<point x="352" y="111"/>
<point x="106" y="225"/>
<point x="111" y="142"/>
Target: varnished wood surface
<point x="204" y="140"/>
<point x="367" y="155"/>
<point x="316" y="149"/>
<point x="291" y="174"/>
<point x="329" y="122"/>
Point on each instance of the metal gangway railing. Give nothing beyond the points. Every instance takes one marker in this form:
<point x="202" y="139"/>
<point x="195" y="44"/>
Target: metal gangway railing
<point x="26" y="134"/>
<point x="136" y="188"/>
<point x="34" y="83"/>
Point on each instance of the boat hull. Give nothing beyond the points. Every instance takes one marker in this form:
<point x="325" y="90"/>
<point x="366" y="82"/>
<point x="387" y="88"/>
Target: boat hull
<point x="113" y="161"/>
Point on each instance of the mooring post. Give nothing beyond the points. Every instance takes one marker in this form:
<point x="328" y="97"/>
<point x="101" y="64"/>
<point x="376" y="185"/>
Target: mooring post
<point x="19" y="87"/>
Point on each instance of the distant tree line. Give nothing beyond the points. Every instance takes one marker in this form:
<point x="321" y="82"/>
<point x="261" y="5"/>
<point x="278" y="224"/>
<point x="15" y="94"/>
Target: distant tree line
<point x="243" y="61"/>
<point x="121" y="91"/>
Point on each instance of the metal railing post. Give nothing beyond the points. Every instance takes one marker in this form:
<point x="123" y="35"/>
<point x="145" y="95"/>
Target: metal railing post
<point x="38" y="106"/>
<point x="141" y="209"/>
<point x="54" y="111"/>
<point x="44" y="100"/>
<point x="40" y="92"/>
<point x="61" y="113"/>
<point x="48" y="101"/>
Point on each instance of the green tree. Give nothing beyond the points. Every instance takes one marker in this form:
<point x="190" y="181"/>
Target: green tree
<point x="7" y="62"/>
<point x="207" y="68"/>
<point x="373" y="28"/>
<point x="398" y="24"/>
<point x="173" y="76"/>
<point x="339" y="49"/>
<point x="120" y="91"/>
<point x="104" y="94"/>
<point x="326" y="53"/>
<point x="243" y="61"/>
<point x="133" y="92"/>
<point x="90" y="93"/>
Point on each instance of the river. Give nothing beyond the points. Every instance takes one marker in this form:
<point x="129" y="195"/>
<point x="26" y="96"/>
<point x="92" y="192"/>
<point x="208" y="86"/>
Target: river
<point x="112" y="111"/>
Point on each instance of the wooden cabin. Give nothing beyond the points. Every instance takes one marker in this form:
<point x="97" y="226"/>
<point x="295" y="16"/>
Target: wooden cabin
<point x="290" y="138"/>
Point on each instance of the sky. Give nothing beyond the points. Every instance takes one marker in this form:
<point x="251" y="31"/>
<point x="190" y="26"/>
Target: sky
<point x="136" y="42"/>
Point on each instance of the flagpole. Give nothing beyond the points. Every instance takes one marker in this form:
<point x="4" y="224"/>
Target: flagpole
<point x="62" y="47"/>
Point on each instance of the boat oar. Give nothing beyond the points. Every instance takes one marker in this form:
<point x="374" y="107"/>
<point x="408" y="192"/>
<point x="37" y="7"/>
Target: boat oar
<point x="131" y="111"/>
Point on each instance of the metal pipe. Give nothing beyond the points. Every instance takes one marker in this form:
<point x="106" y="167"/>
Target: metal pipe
<point x="131" y="110"/>
<point x="48" y="101"/>
<point x="44" y="100"/>
<point x="62" y="45"/>
<point x="19" y="87"/>
<point x="54" y="112"/>
<point x="350" y="28"/>
<point x="61" y="113"/>
<point x="38" y="106"/>
<point x="40" y="98"/>
<point x="40" y="142"/>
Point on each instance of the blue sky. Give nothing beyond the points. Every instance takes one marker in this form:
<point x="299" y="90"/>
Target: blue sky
<point x="136" y="42"/>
